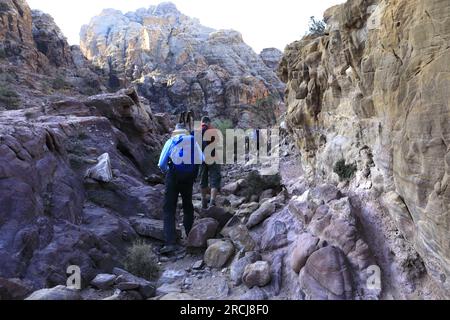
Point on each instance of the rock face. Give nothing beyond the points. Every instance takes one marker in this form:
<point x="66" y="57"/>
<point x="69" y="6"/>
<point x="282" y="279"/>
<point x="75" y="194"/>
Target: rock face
<point x="16" y="37"/>
<point x="52" y="217"/>
<point x="179" y="64"/>
<point x="382" y="66"/>
<point x="271" y="57"/>
<point x="50" y="41"/>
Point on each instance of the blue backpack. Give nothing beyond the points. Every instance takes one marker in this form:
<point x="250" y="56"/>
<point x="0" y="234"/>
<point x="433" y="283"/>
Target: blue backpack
<point x="180" y="153"/>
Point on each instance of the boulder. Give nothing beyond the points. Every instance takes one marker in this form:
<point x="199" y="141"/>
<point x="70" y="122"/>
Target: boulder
<point x="257" y="274"/>
<point x="324" y="194"/>
<point x="239" y="234"/>
<point x="104" y="281"/>
<point x="14" y="289"/>
<point x="218" y="254"/>
<point x="102" y="172"/>
<point x="327" y="276"/>
<point x="198" y="265"/>
<point x="231" y="188"/>
<point x="238" y="267"/>
<point x="146" y="288"/>
<point x="265" y="211"/>
<point x="302" y="209"/>
<point x="276" y="274"/>
<point x="202" y="231"/>
<point x="275" y="235"/>
<point x="58" y="293"/>
<point x="247" y="209"/>
<point x="267" y="194"/>
<point x="305" y="246"/>
<point x="150" y="228"/>
<point x="219" y="214"/>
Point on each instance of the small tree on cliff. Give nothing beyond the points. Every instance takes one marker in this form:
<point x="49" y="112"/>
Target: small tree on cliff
<point x="316" y="27"/>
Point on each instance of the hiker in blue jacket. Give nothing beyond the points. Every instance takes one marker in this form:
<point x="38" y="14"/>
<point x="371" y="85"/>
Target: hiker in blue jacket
<point x="180" y="161"/>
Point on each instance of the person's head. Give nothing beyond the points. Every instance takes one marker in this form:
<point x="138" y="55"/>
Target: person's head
<point x="180" y="129"/>
<point x="206" y="121"/>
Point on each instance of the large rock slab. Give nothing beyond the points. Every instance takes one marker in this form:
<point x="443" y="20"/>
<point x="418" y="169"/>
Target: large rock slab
<point x="305" y="246"/>
<point x="150" y="228"/>
<point x="59" y="293"/>
<point x="327" y="276"/>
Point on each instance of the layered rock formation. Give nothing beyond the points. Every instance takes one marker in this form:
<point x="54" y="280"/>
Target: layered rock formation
<point x="36" y="62"/>
<point x="368" y="102"/>
<point x="178" y="64"/>
<point x="271" y="57"/>
<point x="51" y="216"/>
<point x="52" y="133"/>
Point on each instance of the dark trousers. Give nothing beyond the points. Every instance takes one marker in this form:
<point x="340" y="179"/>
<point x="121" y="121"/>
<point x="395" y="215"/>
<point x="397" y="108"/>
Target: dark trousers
<point x="177" y="184"/>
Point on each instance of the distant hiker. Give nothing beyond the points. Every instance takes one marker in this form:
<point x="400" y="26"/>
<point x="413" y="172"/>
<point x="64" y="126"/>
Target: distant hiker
<point x="180" y="160"/>
<point x="210" y="173"/>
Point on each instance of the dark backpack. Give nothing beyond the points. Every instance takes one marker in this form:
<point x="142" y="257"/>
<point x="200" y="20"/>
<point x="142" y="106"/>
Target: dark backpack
<point x="184" y="168"/>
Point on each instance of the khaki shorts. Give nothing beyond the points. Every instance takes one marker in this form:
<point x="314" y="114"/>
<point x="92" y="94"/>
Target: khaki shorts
<point x="211" y="176"/>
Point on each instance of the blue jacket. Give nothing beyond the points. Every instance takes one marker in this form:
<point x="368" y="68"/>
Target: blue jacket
<point x="174" y="152"/>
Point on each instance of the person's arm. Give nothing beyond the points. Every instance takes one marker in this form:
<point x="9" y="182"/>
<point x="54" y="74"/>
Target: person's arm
<point x="165" y="155"/>
<point x="198" y="154"/>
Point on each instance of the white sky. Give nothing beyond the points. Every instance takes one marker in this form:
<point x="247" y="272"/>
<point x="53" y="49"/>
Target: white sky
<point x="263" y="23"/>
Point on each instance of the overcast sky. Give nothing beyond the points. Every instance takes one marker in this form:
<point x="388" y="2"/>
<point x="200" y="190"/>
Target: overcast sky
<point x="263" y="23"/>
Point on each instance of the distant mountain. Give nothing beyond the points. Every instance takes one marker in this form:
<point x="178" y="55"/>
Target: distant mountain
<point x="178" y="64"/>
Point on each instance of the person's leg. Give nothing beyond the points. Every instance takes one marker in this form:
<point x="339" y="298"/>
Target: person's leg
<point x="188" y="208"/>
<point x="216" y="182"/>
<point x="170" y="209"/>
<point x="204" y="185"/>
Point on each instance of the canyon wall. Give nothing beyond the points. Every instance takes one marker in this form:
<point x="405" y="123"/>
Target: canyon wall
<point x="368" y="105"/>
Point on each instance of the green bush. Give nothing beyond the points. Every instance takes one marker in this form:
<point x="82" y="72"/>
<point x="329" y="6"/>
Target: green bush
<point x="142" y="261"/>
<point x="345" y="171"/>
<point x="9" y="98"/>
<point x="316" y="27"/>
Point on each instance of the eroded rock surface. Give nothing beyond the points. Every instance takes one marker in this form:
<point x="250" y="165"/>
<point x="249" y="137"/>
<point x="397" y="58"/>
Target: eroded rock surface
<point x="369" y="100"/>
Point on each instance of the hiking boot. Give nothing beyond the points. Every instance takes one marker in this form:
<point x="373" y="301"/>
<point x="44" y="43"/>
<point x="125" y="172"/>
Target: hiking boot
<point x="166" y="250"/>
